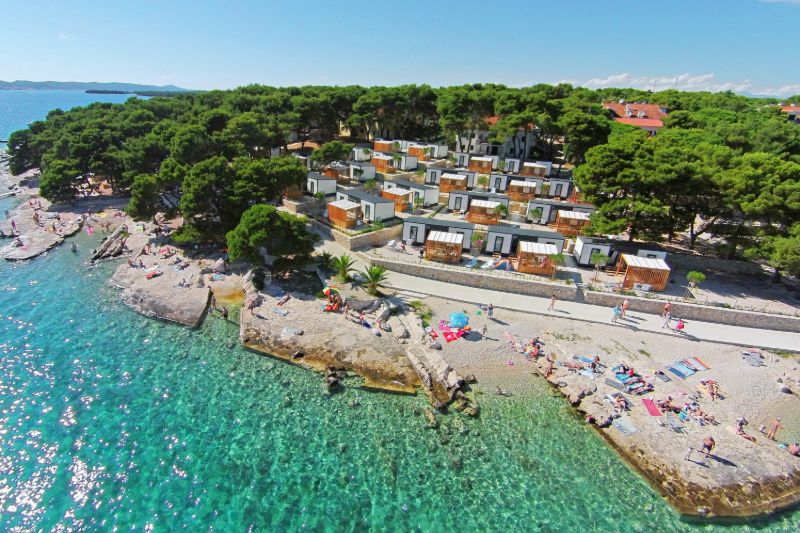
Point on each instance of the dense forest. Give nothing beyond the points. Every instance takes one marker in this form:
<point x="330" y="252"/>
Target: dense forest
<point x="724" y="165"/>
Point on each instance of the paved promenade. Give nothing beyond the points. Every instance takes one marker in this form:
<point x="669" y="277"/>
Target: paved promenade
<point x="707" y="331"/>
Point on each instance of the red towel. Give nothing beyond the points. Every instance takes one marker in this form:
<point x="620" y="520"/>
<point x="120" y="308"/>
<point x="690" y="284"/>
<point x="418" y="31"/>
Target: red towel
<point x="449" y="336"/>
<point x="434" y="334"/>
<point x="651" y="407"/>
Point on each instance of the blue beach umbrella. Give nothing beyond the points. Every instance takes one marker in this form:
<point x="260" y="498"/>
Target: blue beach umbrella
<point x="458" y="320"/>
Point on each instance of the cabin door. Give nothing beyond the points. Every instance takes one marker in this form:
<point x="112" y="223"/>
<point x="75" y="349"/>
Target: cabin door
<point x="497" y="182"/>
<point x="311" y="187"/>
<point x="413" y="232"/>
<point x="367" y="209"/>
<point x="498" y="245"/>
<point x="457" y="204"/>
<point x="558" y="188"/>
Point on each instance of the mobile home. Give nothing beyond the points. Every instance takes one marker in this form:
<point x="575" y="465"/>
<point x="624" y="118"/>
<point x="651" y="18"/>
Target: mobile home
<point x="428" y="193"/>
<point x="373" y="208"/>
<point x="541" y="211"/>
<point x="416" y="229"/>
<point x="460" y="200"/>
<point x="316" y="182"/>
<point x="362" y="171"/>
<point x="502" y="239"/>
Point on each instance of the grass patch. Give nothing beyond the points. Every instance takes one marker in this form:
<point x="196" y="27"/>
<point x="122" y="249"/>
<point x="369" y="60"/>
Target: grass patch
<point x="645" y="353"/>
<point x="422" y="311"/>
<point x="783" y="354"/>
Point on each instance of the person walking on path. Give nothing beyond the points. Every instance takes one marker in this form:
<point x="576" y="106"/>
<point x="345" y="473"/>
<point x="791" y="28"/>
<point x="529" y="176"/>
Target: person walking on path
<point x="667" y="311"/>
<point x="484" y="329"/>
<point x="490" y="310"/>
<point x="773" y="428"/>
<point x="616" y="313"/>
<point x="680" y="325"/>
<point x="667" y="320"/>
<point x="552" y="302"/>
<point x="708" y="446"/>
<point x="625" y="304"/>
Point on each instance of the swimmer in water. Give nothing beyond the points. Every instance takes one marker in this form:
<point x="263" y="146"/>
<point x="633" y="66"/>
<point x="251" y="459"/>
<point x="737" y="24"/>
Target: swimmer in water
<point x="74" y="248"/>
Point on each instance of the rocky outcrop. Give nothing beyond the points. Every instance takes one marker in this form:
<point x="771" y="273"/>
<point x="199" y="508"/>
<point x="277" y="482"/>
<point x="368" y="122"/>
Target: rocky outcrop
<point x="113" y="246"/>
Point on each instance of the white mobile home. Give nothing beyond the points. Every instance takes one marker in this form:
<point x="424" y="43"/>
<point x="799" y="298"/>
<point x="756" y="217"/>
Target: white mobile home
<point x="460" y="200"/>
<point x="404" y="161"/>
<point x="428" y="193"/>
<point x="504" y="239"/>
<point x="548" y="166"/>
<point x="361" y="153"/>
<point x="433" y="175"/>
<point x="498" y="182"/>
<point x="362" y="171"/>
<point x="541" y="211"/>
<point x="560" y="187"/>
<point x="586" y="246"/>
<point x="316" y="182"/>
<point x="373" y="208"/>
<point x="416" y="229"/>
<point x="511" y="166"/>
<point x="462" y="159"/>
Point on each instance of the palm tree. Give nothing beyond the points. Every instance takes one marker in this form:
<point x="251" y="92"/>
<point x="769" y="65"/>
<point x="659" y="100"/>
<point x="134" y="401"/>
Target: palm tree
<point x="501" y="210"/>
<point x="370" y="185"/>
<point x="396" y="160"/>
<point x="325" y="260"/>
<point x="483" y="181"/>
<point x="343" y="265"/>
<point x="598" y="259"/>
<point x="374" y="277"/>
<point x="366" y="151"/>
<point x="417" y="205"/>
<point x="557" y="260"/>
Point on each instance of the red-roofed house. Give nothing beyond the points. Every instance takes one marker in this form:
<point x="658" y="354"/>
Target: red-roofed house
<point x="645" y="116"/>
<point x="793" y="110"/>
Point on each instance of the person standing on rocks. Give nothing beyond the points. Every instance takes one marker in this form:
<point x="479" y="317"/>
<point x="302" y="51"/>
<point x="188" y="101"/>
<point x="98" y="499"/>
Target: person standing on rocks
<point x="773" y="428"/>
<point x="708" y="446"/>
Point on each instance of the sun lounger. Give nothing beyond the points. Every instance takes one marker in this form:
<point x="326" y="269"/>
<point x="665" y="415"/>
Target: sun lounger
<point x="677" y="372"/>
<point x="662" y="376"/>
<point x="624" y="426"/>
<point x="651" y="407"/>
<point x="613" y="383"/>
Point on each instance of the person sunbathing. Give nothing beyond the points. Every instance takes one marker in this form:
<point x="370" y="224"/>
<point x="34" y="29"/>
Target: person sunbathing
<point x="740" y="431"/>
<point x="794" y="449"/>
<point x="620" y="404"/>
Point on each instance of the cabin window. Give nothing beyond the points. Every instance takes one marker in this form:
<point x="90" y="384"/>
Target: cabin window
<point x="367" y="211"/>
<point x="498" y="244"/>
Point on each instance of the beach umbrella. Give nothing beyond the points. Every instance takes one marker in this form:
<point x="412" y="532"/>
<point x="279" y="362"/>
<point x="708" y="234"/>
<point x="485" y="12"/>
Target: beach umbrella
<point x="458" y="320"/>
<point x="328" y="290"/>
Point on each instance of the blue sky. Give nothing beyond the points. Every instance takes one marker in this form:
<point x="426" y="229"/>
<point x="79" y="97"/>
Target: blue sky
<point x="743" y="45"/>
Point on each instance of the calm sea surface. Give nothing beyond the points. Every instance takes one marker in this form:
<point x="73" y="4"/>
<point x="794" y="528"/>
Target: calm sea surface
<point x="111" y="420"/>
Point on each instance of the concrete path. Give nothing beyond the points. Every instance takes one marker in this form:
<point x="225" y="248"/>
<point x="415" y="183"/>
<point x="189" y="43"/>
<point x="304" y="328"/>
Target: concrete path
<point x="701" y="331"/>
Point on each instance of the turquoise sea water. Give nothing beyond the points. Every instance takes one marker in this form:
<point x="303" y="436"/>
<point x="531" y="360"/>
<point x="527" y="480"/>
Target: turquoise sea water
<point x="111" y="420"/>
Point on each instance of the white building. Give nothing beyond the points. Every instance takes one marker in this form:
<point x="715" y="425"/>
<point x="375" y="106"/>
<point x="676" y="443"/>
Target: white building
<point x="434" y="174"/>
<point x="416" y="229"/>
<point x="428" y="193"/>
<point x="503" y="239"/>
<point x="361" y="153"/>
<point x="362" y="171"/>
<point x="316" y="182"/>
<point x="373" y="208"/>
<point x="542" y="211"/>
<point x="461" y="200"/>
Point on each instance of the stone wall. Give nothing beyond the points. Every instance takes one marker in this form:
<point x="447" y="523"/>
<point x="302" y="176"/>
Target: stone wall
<point x="712" y="264"/>
<point x="355" y="242"/>
<point x="498" y="281"/>
<point x="690" y="311"/>
<point x="297" y="208"/>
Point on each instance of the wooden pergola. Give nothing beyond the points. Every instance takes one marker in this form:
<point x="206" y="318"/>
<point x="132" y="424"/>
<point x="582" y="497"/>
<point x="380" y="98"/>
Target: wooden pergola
<point x="420" y="152"/>
<point x="400" y="197"/>
<point x="480" y="164"/>
<point x="483" y="212"/>
<point x="344" y="213"/>
<point x="521" y="191"/>
<point x="534" y="258"/>
<point x="533" y="169"/>
<point x="383" y="146"/>
<point x="383" y="163"/>
<point x="444" y="247"/>
<point x="452" y="182"/>
<point x="571" y="223"/>
<point x="643" y="271"/>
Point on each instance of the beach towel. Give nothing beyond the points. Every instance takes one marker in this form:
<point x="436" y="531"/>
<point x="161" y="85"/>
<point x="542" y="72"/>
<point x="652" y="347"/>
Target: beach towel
<point x="689" y="365"/>
<point x="444" y="326"/>
<point x="624" y="426"/>
<point x="683" y="368"/>
<point x="278" y="311"/>
<point x="651" y="407"/>
<point x="677" y="372"/>
<point x="433" y="334"/>
<point x="663" y="377"/>
<point x="613" y="383"/>
<point x="587" y="372"/>
<point x="697" y="362"/>
<point x="674" y="423"/>
<point x="449" y="336"/>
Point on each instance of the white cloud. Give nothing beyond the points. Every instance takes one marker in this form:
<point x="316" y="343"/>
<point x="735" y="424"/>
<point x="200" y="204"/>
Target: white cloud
<point x="688" y="82"/>
<point x="65" y="37"/>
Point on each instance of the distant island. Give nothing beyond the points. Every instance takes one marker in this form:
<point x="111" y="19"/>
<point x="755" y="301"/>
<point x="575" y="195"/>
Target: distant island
<point x="92" y="86"/>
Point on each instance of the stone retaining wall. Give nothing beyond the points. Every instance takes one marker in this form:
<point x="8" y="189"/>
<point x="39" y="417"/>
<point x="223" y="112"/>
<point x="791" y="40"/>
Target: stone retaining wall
<point x="713" y="264"/>
<point x="498" y="281"/>
<point x="354" y="242"/>
<point x="690" y="311"/>
<point x="299" y="207"/>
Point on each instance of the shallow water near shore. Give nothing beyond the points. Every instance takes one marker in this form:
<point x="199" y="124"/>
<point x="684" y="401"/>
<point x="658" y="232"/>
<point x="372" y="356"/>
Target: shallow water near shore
<point x="109" y="419"/>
